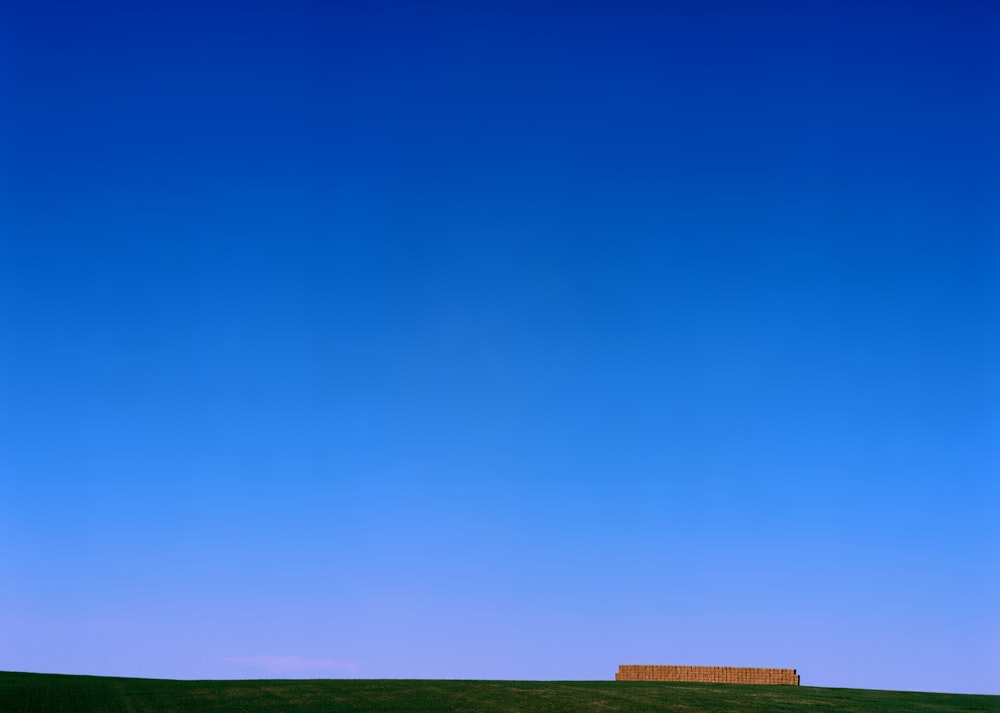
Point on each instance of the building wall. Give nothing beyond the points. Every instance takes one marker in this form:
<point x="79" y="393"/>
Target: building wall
<point x="709" y="674"/>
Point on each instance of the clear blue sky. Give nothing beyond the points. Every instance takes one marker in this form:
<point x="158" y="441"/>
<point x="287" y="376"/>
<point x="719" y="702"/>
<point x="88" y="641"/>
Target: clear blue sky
<point x="500" y="340"/>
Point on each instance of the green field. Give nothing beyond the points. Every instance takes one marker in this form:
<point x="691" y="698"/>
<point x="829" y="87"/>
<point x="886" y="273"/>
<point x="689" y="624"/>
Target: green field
<point x="47" y="693"/>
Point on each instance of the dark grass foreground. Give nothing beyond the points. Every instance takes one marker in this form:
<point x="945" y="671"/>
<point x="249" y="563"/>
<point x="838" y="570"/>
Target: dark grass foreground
<point x="48" y="693"/>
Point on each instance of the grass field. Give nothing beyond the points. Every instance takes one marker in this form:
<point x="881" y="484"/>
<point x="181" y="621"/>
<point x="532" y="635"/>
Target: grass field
<point x="48" y="693"/>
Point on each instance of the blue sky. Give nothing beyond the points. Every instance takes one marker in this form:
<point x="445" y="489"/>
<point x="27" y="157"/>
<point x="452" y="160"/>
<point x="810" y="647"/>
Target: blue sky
<point x="497" y="340"/>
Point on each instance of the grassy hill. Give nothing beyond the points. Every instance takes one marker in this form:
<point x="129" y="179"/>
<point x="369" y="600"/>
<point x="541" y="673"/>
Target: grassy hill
<point x="48" y="693"/>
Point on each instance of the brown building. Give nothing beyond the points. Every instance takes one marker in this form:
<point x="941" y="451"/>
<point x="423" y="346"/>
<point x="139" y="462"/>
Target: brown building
<point x="709" y="674"/>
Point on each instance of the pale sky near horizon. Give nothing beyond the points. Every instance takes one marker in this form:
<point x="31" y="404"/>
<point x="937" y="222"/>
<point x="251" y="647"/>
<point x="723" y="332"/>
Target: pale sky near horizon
<point x="501" y="340"/>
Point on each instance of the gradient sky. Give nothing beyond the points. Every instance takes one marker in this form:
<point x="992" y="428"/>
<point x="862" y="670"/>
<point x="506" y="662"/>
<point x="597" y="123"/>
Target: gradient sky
<point x="501" y="340"/>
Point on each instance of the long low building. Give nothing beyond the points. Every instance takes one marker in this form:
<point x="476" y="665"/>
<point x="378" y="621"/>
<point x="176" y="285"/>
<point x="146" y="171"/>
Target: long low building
<point x="709" y="674"/>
